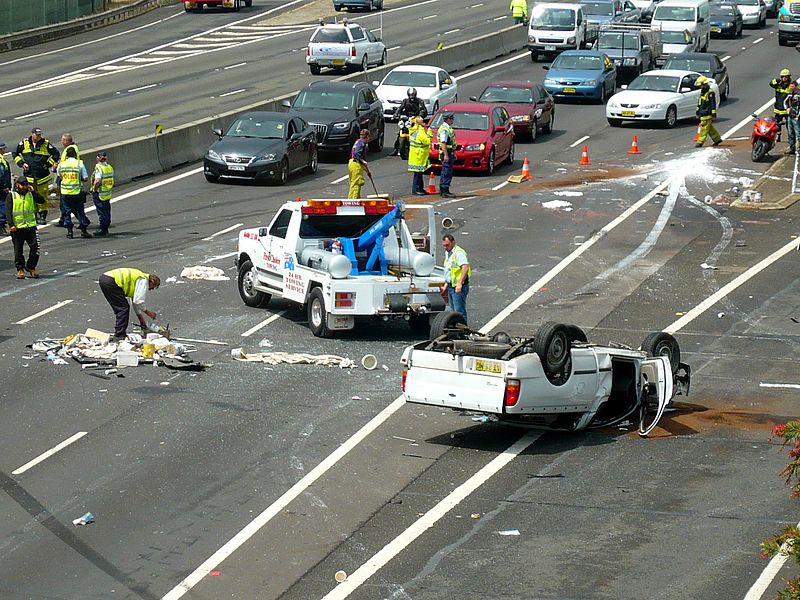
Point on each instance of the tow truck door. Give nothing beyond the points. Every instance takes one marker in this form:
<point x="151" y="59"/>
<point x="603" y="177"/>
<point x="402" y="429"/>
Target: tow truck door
<point x="274" y="248"/>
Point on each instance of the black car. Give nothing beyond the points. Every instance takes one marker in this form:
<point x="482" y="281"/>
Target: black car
<point x="703" y="62"/>
<point x="262" y="146"/>
<point x="725" y="20"/>
<point x="338" y="110"/>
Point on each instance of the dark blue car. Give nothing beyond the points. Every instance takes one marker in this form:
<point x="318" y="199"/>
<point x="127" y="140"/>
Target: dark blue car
<point x="725" y="20"/>
<point x="582" y="74"/>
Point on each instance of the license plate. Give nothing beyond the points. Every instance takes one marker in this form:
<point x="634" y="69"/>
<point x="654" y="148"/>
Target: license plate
<point x="236" y="167"/>
<point x="488" y="366"/>
<point x="716" y="30"/>
<point x="628" y="113"/>
<point x="338" y="61"/>
<point x="549" y="48"/>
<point x="568" y="90"/>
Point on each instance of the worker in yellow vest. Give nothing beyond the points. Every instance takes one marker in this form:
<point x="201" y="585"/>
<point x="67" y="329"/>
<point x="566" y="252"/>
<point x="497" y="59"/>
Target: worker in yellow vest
<point x="35" y="155"/>
<point x="457" y="274"/>
<point x="120" y="284"/>
<point x="72" y="173"/>
<point x="66" y="142"/>
<point x="519" y="10"/>
<point x="102" y="186"/>
<point x="21" y="215"/>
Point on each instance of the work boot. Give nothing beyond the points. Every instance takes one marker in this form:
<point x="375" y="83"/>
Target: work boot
<point x="20" y="274"/>
<point x="61" y="222"/>
<point x="395" y="153"/>
<point x="119" y="338"/>
<point x="101" y="233"/>
<point x="70" y="235"/>
<point x="698" y="145"/>
<point x="41" y="217"/>
<point x="447" y="194"/>
<point x="84" y="233"/>
<point x="34" y="273"/>
<point x="717" y="143"/>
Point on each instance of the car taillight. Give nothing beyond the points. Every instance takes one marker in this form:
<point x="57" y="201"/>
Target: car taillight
<point x="352" y="50"/>
<point x="405" y="373"/>
<point x="308" y="50"/>
<point x="512" y="392"/>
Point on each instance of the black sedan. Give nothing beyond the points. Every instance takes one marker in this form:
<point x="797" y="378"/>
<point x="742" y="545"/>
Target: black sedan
<point x="703" y="62"/>
<point x="725" y="20"/>
<point x="264" y="146"/>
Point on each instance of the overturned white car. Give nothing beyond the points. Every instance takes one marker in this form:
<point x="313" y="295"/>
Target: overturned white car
<point x="554" y="380"/>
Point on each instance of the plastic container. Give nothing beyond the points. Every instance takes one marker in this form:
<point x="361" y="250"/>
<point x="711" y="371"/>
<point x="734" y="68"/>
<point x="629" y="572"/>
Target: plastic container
<point x="126" y="358"/>
<point x="148" y="350"/>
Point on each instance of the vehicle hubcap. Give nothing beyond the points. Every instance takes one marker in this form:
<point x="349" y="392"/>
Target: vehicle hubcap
<point x="248" y="283"/>
<point x="316" y="313"/>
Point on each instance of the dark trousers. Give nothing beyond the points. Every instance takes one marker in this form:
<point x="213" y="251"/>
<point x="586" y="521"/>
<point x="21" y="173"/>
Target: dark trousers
<point x="74" y="204"/>
<point x="446" y="176"/>
<point x="2" y="208"/>
<point x="64" y="208"/>
<point x="26" y="235"/>
<point x="119" y="303"/>
<point x="103" y="211"/>
<point x="418" y="183"/>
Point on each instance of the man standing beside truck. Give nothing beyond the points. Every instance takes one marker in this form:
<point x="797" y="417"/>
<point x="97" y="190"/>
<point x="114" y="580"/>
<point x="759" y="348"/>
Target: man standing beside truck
<point x="457" y="274"/>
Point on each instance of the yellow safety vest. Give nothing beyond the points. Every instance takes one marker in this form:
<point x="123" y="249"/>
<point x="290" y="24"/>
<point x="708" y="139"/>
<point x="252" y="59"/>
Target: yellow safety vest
<point x="455" y="270"/>
<point x="451" y="135"/>
<point x="70" y="171"/>
<point x="420" y="149"/>
<point x="64" y="152"/>
<point x="42" y="150"/>
<point x="106" y="174"/>
<point x="519" y="8"/>
<point x="126" y="279"/>
<point x="23" y="210"/>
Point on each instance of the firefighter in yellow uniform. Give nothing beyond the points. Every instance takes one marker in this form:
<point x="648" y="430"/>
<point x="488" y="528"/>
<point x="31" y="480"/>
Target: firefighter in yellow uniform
<point x="781" y="86"/>
<point x="706" y="112"/>
<point x="35" y="155"/>
<point x="118" y="285"/>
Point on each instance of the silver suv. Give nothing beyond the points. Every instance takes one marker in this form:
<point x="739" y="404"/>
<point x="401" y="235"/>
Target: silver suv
<point x="344" y="45"/>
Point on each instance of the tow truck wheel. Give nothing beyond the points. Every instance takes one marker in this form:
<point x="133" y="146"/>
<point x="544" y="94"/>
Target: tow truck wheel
<point x="552" y="344"/>
<point x="661" y="343"/>
<point x="448" y="319"/>
<point x="250" y="295"/>
<point x="317" y="316"/>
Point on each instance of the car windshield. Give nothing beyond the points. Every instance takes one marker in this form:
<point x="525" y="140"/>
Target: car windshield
<point x="502" y="93"/>
<point x="655" y="83"/>
<point x="605" y="9"/>
<point x="674" y="13"/>
<point x="614" y="41"/>
<point x="674" y="37"/>
<point x="465" y="120"/>
<point x="330" y="35"/>
<point x="410" y="79"/>
<point x="258" y="128"/>
<point x="318" y="99"/>
<point x="580" y="63"/>
<point x="555" y="19"/>
<point x="722" y="11"/>
<point x="698" y="65"/>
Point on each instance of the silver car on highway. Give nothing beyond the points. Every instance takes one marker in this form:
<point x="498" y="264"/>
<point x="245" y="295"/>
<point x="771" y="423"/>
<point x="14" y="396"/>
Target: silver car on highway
<point x="344" y="45"/>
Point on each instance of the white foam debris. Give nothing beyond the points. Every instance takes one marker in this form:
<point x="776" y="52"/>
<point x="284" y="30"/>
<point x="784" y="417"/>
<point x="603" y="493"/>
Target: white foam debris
<point x="557" y="204"/>
<point x="568" y="193"/>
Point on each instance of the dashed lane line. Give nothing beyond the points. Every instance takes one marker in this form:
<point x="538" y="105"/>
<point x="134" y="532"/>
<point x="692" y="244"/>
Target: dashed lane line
<point x="43" y="312"/>
<point x="264" y="323"/>
<point x="580" y="141"/>
<point x="226" y="230"/>
<point x="45" y="455"/>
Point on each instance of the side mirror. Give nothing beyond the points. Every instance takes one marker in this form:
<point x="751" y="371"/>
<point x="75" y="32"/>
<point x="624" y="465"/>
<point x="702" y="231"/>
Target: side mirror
<point x="217" y="132"/>
<point x="500" y="129"/>
<point x="445" y="86"/>
<point x="363" y="107"/>
<point x="286" y="104"/>
<point x="473" y="98"/>
<point x="685" y="90"/>
<point x="376" y="83"/>
<point x="701" y="20"/>
<point x="263" y="232"/>
<point x="624" y="86"/>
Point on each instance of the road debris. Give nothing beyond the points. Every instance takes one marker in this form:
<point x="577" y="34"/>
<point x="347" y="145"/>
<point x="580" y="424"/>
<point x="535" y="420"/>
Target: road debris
<point x="292" y="358"/>
<point x="509" y="532"/>
<point x="558" y="204"/>
<point x="369" y="362"/>
<point x="265" y="343"/>
<point x="751" y="196"/>
<point x="340" y="576"/>
<point x="708" y="267"/>
<point x="206" y="273"/>
<point x="84" y="520"/>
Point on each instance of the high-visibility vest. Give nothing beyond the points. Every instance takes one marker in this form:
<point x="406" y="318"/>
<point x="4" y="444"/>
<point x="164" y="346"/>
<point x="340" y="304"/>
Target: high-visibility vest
<point x="519" y="8"/>
<point x="106" y="174"/>
<point x="451" y="135"/>
<point x="23" y="210"/>
<point x="64" y="152"/>
<point x="39" y="159"/>
<point x="455" y="269"/>
<point x="70" y="171"/>
<point x="420" y="149"/>
<point x="126" y="279"/>
<point x="707" y="104"/>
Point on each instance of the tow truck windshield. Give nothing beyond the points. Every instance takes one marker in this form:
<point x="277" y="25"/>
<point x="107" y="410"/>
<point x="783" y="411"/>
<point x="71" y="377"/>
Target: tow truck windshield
<point x="334" y="226"/>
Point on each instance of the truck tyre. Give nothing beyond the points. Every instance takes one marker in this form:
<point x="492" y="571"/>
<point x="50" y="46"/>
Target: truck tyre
<point x="445" y="320"/>
<point x="481" y="348"/>
<point x="782" y="41"/>
<point x="419" y="323"/>
<point x="315" y="69"/>
<point x="250" y="295"/>
<point x="661" y="343"/>
<point x="552" y="344"/>
<point x="317" y="315"/>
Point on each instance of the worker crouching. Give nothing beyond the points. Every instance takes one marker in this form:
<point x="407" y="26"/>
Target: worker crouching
<point x="120" y="284"/>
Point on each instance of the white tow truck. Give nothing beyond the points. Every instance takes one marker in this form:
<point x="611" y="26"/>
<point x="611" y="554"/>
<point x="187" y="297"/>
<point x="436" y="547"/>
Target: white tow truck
<point x="554" y="380"/>
<point x="342" y="259"/>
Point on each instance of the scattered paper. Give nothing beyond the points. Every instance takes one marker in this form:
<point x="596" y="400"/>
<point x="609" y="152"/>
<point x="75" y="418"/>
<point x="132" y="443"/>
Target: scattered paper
<point x="206" y="273"/>
<point x="509" y="532"/>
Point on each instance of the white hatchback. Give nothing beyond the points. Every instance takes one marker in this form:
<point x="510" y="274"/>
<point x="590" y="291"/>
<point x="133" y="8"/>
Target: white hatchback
<point x="435" y="87"/>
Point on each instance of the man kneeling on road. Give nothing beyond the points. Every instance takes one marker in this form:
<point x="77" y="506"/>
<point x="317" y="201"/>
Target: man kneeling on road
<point x="117" y="286"/>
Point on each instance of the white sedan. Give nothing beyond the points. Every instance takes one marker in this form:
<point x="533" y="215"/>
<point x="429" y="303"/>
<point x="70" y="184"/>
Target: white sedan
<point x="660" y="96"/>
<point x="435" y="87"/>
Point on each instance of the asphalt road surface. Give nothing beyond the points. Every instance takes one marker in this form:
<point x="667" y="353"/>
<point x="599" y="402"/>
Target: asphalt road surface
<point x="257" y="482"/>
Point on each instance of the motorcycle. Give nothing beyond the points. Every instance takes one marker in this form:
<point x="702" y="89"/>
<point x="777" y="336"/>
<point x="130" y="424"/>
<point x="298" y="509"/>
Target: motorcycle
<point x="765" y="132"/>
<point x="403" y="144"/>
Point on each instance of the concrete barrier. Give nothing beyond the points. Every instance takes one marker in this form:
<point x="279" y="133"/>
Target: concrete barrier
<point x="188" y="143"/>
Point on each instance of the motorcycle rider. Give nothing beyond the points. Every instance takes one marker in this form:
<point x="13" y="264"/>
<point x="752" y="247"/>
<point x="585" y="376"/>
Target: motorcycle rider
<point x="781" y="86"/>
<point x="410" y="107"/>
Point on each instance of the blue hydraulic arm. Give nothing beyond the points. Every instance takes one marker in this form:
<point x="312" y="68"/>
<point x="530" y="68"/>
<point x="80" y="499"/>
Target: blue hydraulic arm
<point x="372" y="241"/>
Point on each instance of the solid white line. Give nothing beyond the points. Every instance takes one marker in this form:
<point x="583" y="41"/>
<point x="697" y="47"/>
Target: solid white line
<point x="500" y="18"/>
<point x="220" y="257"/>
<point x="429" y="519"/>
<point x="43" y="312"/>
<point x="746" y="120"/>
<point x="133" y="119"/>
<point x="40" y="112"/>
<point x="226" y="230"/>
<point x="393" y="48"/>
<point x="232" y="93"/>
<point x="500" y="186"/>
<point x="580" y="141"/>
<point x="494" y="66"/>
<point x="770" y="572"/>
<point x="234" y="66"/>
<point x="341" y="179"/>
<point x="144" y="87"/>
<point x="455" y="200"/>
<point x="724" y="58"/>
<point x="476" y="5"/>
<point x="429" y="17"/>
<point x="758" y="40"/>
<point x="49" y="453"/>
<point x="263" y="323"/>
<point x="792" y="386"/>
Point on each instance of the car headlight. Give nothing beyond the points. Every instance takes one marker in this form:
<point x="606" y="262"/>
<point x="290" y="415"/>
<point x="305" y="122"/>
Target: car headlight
<point x="629" y="62"/>
<point x="538" y="113"/>
<point x="532" y="39"/>
<point x="571" y="40"/>
<point x="590" y="82"/>
<point x="612" y="104"/>
<point x="213" y="155"/>
<point x="341" y="125"/>
<point x="475" y="147"/>
<point x="651" y="106"/>
<point x="521" y="118"/>
<point x="549" y="81"/>
<point x="727" y="24"/>
<point x="266" y="157"/>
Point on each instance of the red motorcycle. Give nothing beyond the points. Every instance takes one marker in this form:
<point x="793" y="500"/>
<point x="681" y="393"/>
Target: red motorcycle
<point x="765" y="132"/>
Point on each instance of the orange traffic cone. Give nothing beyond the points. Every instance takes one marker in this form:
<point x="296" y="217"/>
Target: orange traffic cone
<point x="634" y="146"/>
<point x="526" y="169"/>
<point x="697" y="135"/>
<point x="431" y="184"/>
<point x="585" y="156"/>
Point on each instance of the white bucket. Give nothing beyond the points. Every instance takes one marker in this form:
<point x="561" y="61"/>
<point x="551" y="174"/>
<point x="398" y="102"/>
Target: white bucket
<point x="369" y="362"/>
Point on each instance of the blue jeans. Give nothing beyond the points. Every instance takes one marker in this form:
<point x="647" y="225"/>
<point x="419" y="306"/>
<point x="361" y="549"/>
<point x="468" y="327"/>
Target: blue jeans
<point x="793" y="127"/>
<point x="75" y="207"/>
<point x="418" y="183"/>
<point x="103" y="211"/>
<point x="446" y="176"/>
<point x="458" y="302"/>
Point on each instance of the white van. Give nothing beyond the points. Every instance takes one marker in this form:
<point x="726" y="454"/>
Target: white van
<point x="690" y="15"/>
<point x="555" y="27"/>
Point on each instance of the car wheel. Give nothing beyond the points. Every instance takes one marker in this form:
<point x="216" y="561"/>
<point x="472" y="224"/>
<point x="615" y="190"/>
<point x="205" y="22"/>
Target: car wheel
<point x="575" y="334"/>
<point x="283" y="173"/>
<point x="337" y="8"/>
<point x="249" y="294"/>
<point x="490" y="163"/>
<point x="384" y="58"/>
<point x="371" y="6"/>
<point x="552" y="345"/>
<point x="315" y="69"/>
<point x="548" y="128"/>
<point x="510" y="158"/>
<point x="317" y="315"/>
<point x="211" y="178"/>
<point x="442" y="322"/>
<point x="533" y="130"/>
<point x="313" y="161"/>
<point x="376" y="145"/>
<point x="661" y="343"/>
<point x="741" y="27"/>
<point x="671" y="118"/>
<point x="364" y="63"/>
<point x="724" y="94"/>
<point x="615" y="122"/>
<point x="603" y="94"/>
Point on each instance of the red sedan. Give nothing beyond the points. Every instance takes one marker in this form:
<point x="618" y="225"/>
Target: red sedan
<point x="531" y="107"/>
<point x="484" y="136"/>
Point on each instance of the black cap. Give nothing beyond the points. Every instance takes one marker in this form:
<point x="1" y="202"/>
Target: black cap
<point x="22" y="179"/>
<point x="103" y="154"/>
<point x="36" y="130"/>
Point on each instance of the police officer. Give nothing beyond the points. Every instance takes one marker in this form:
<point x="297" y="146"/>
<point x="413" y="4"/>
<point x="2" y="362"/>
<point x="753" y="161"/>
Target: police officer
<point x="447" y="154"/>
<point x="457" y="274"/>
<point x="419" y="155"/>
<point x="410" y="107"/>
<point x="102" y="186"/>
<point x="120" y="284"/>
<point x="706" y="112"/>
<point x="519" y="10"/>
<point x="21" y="205"/>
<point x="35" y="155"/>
<point x="792" y="106"/>
<point x="72" y="173"/>
<point x="5" y="187"/>
<point x="781" y="86"/>
<point x="357" y="165"/>
<point x="66" y="142"/>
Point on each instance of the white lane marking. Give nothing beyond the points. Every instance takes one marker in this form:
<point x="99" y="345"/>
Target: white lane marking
<point x="226" y="230"/>
<point x="133" y="119"/>
<point x="33" y="114"/>
<point x="455" y="200"/>
<point x="220" y="257"/>
<point x="494" y="66"/>
<point x="239" y="91"/>
<point x="203" y="46"/>
<point x="263" y="323"/>
<point x="429" y="17"/>
<point x="430" y="518"/>
<point x="234" y="66"/>
<point x="393" y="48"/>
<point x="144" y="87"/>
<point x="746" y="120"/>
<point x="49" y="453"/>
<point x="500" y="186"/>
<point x="500" y="18"/>
<point x="477" y="5"/>
<point x="341" y="179"/>
<point x="791" y="386"/>
<point x="43" y="312"/>
<point x="580" y="141"/>
<point x="758" y="40"/>
<point x="451" y="31"/>
<point x="770" y="572"/>
<point x="724" y="58"/>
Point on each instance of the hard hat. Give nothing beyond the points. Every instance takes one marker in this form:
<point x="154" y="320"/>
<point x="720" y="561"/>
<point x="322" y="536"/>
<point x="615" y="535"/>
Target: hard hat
<point x="702" y="80"/>
<point x="411" y="92"/>
<point x="786" y="73"/>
